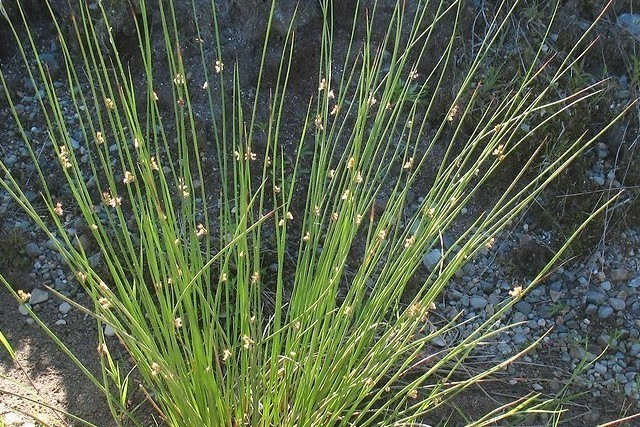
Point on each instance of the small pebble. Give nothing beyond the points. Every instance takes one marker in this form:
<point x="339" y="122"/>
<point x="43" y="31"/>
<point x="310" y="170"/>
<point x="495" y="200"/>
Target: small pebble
<point x="37" y="296"/>
<point x="605" y="312"/>
<point x="595" y="297"/>
<point x="32" y="250"/>
<point x="22" y="308"/>
<point x="478" y="302"/>
<point x="617" y="304"/>
<point x="431" y="259"/>
<point x="619" y="274"/>
<point x="64" y="308"/>
<point x="109" y="331"/>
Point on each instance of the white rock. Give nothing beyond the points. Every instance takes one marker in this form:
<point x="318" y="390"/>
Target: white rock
<point x="11" y="419"/>
<point x="109" y="331"/>
<point x="64" y="308"/>
<point x="61" y="322"/>
<point x="38" y="296"/>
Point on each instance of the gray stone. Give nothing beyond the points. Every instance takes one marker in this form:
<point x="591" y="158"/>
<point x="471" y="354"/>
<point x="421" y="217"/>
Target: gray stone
<point x="630" y="22"/>
<point x="600" y="368"/>
<point x="617" y="304"/>
<point x="80" y="242"/>
<point x="438" y="341"/>
<point x="518" y="317"/>
<point x="635" y="282"/>
<point x="635" y="349"/>
<point x="95" y="260"/>
<point x="605" y="312"/>
<point x="595" y="297"/>
<point x="431" y="259"/>
<point x="519" y="339"/>
<point x="619" y="274"/>
<point x="631" y="389"/>
<point x="51" y="244"/>
<point x="61" y="322"/>
<point x="38" y="296"/>
<point x="555" y="295"/>
<point x="24" y="309"/>
<point x="469" y="269"/>
<point x="32" y="250"/>
<point x="606" y="286"/>
<point x="478" y="301"/>
<point x="64" y="308"/>
<point x="524" y="307"/>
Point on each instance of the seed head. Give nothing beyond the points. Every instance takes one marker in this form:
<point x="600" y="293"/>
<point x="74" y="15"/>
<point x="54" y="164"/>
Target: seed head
<point x="409" y="241"/>
<point x="408" y="164"/>
<point x="82" y="277"/>
<point x="247" y="342"/>
<point x="155" y="369"/>
<point x="516" y="292"/>
<point x="23" y="296"/>
<point x="128" y="177"/>
<point x="154" y="164"/>
<point x="182" y="187"/>
<point x="58" y="209"/>
<point x="102" y="349"/>
<point x="64" y="157"/>
<point x="109" y="200"/>
<point x="201" y="230"/>
<point x="453" y="113"/>
<point x="179" y="79"/>
<point x="255" y="277"/>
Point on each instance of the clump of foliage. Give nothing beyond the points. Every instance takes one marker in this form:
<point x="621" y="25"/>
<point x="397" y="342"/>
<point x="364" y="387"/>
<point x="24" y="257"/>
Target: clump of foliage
<point x="224" y="333"/>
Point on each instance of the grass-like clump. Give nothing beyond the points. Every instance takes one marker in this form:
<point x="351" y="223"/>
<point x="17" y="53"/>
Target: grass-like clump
<point x="273" y="288"/>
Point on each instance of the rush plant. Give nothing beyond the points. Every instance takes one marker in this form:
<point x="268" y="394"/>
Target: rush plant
<point x="251" y="293"/>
